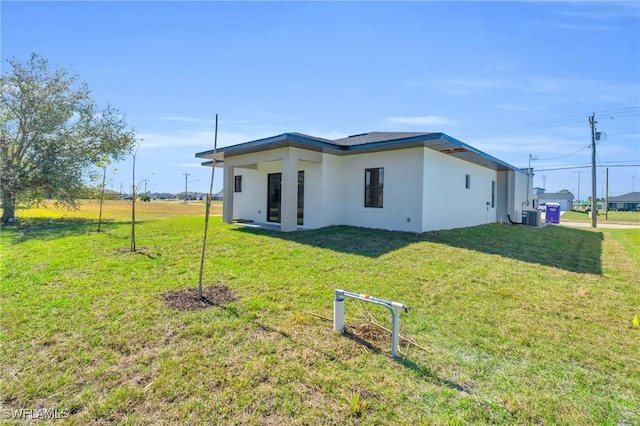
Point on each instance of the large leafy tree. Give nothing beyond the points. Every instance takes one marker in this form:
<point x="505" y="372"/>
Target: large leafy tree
<point x="51" y="132"/>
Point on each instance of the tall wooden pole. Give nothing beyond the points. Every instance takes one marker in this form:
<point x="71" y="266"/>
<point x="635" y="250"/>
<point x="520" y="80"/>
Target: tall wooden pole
<point x="594" y="200"/>
<point x="208" y="209"/>
<point x="133" y="205"/>
<point x="606" y="196"/>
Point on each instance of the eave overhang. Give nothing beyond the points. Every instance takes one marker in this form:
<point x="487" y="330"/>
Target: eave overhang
<point x="440" y="142"/>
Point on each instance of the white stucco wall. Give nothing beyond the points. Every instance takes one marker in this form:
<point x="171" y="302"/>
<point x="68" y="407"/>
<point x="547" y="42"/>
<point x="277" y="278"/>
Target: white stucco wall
<point x="447" y="203"/>
<point x="329" y="206"/>
<point x="246" y="204"/>
<point x="423" y="189"/>
<point x="504" y="198"/>
<point x="402" y="197"/>
<point x="520" y="195"/>
<point x="251" y="203"/>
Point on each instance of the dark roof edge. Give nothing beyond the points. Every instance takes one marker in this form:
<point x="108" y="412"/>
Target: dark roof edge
<point x="299" y="137"/>
<point x="481" y="153"/>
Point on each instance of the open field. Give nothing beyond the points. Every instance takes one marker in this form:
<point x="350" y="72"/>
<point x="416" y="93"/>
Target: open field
<point x="120" y="210"/>
<point x="632" y="218"/>
<point x="515" y="324"/>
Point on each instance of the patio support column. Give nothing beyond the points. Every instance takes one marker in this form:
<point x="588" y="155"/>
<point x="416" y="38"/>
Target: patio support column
<point x="227" y="202"/>
<point x="289" y="206"/>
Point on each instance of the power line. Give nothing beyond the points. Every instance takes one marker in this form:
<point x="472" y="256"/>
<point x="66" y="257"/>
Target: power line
<point x="565" y="156"/>
<point x="554" y="122"/>
<point x="584" y="167"/>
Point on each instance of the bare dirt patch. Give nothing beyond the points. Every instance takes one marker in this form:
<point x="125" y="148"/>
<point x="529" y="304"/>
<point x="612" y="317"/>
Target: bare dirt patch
<point x="187" y="299"/>
<point x="367" y="335"/>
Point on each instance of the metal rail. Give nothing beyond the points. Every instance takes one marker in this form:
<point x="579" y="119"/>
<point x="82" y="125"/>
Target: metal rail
<point x="394" y="308"/>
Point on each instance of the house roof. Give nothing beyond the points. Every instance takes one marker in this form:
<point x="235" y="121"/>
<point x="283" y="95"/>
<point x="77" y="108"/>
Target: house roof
<point x="362" y="143"/>
<point x="632" y="197"/>
<point x="543" y="196"/>
<point x="370" y="137"/>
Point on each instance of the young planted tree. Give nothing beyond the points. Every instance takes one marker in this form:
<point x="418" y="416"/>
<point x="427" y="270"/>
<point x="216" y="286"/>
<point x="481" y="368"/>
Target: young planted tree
<point x="100" y="189"/>
<point x="134" y="191"/>
<point x="51" y="132"/>
<point x="104" y="180"/>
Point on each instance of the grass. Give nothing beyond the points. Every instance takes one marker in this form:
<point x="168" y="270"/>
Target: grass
<point x="120" y="210"/>
<point x="517" y="325"/>
<point x="632" y="218"/>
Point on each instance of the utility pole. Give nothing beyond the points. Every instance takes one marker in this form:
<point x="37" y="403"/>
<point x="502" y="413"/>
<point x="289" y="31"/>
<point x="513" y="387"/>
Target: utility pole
<point x="594" y="200"/>
<point x="529" y="177"/>
<point x="544" y="182"/>
<point x="606" y="196"/>
<point x="186" y="194"/>
<point x="580" y="171"/>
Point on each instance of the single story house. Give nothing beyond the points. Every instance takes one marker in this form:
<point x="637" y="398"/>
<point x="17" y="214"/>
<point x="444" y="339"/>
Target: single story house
<point x="564" y="199"/>
<point x="626" y="202"/>
<point x="400" y="181"/>
<point x="537" y="190"/>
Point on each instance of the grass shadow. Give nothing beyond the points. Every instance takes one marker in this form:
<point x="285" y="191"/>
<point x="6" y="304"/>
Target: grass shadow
<point x="43" y="230"/>
<point x="292" y="340"/>
<point x="571" y="249"/>
<point x="345" y="239"/>
<point x="422" y="372"/>
<point x="431" y="377"/>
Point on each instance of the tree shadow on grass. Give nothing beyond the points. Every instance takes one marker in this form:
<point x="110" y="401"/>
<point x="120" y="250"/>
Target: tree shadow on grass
<point x="575" y="250"/>
<point x="43" y="230"/>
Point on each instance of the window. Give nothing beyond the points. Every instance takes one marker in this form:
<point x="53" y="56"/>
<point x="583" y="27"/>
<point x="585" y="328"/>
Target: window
<point x="373" y="187"/>
<point x="493" y="193"/>
<point x="467" y="181"/>
<point x="237" y="187"/>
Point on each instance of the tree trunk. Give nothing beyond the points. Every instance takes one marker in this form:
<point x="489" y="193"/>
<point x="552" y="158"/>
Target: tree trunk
<point x="8" y="207"/>
<point x="104" y="177"/>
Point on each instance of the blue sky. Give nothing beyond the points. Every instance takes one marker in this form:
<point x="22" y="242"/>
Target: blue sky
<point x="513" y="79"/>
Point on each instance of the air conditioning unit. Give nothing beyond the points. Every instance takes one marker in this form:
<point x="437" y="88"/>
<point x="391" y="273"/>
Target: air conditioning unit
<point x="531" y="217"/>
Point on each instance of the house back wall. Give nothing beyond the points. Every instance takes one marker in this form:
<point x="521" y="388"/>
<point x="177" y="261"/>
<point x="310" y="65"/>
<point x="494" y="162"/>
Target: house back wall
<point x="402" y="196"/>
<point x="448" y="203"/>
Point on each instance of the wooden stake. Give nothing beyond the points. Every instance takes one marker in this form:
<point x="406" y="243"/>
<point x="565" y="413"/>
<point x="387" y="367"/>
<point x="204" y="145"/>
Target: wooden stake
<point x="208" y="209"/>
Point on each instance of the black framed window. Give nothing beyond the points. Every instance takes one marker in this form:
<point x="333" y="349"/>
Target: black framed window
<point x="493" y="193"/>
<point x="467" y="181"/>
<point x="237" y="186"/>
<point x="373" y="187"/>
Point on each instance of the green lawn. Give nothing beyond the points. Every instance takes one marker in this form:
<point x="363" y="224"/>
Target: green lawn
<point x="515" y="325"/>
<point x="613" y="217"/>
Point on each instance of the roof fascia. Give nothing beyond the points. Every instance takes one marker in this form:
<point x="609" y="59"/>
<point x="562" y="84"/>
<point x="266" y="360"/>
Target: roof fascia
<point x="433" y="136"/>
<point x="482" y="154"/>
<point x="261" y="144"/>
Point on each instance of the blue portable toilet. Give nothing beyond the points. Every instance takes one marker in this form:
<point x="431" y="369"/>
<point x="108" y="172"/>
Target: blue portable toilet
<point x="552" y="213"/>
